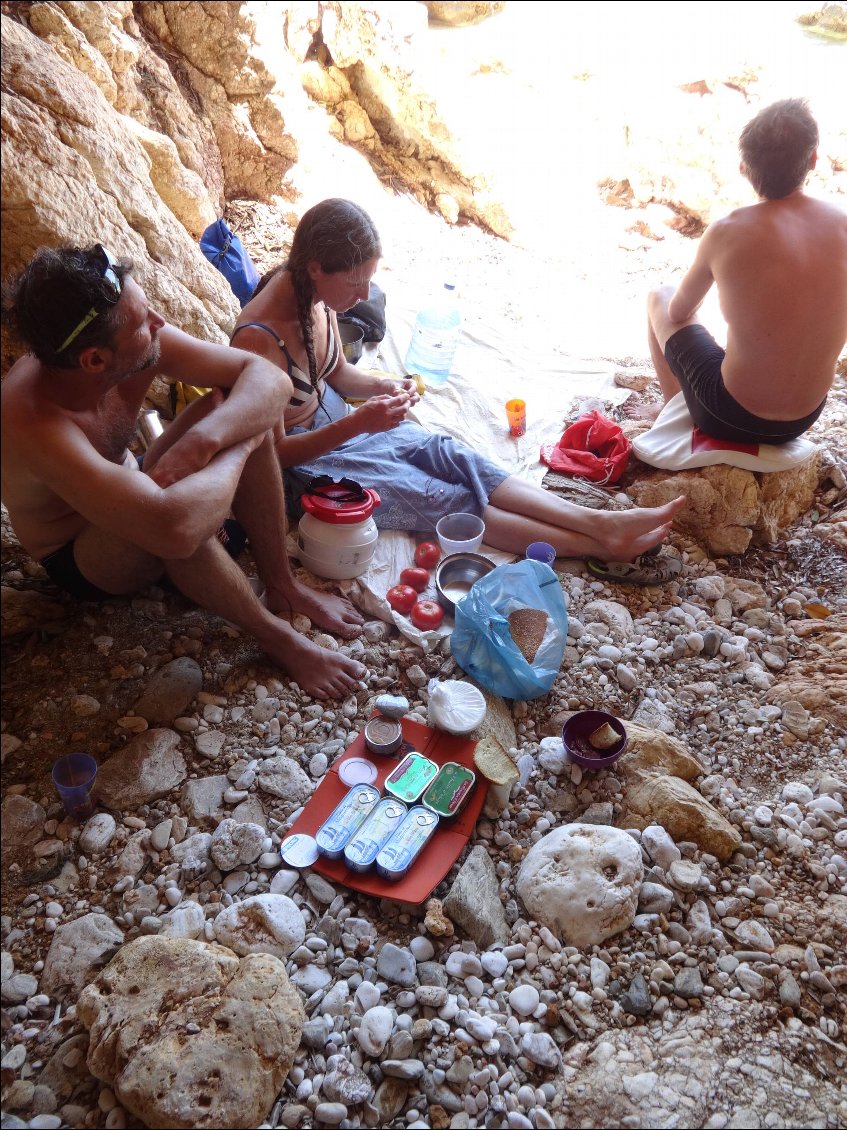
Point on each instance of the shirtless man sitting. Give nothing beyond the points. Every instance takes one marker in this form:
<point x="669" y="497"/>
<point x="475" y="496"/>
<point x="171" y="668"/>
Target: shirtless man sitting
<point x="781" y="273"/>
<point x="100" y="525"/>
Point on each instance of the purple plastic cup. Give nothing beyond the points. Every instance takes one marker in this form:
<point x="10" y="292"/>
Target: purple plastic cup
<point x="74" y="776"/>
<point x="577" y="730"/>
<point x="541" y="551"/>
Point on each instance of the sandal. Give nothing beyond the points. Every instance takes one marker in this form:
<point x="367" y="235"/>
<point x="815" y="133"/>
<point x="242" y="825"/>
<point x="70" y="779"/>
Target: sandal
<point x="645" y="570"/>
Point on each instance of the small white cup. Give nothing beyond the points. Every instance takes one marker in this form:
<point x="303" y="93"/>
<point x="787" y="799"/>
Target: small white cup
<point x="459" y="533"/>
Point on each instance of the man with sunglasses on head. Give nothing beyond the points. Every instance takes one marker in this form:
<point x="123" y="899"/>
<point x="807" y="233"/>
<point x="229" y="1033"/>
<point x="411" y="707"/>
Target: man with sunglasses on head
<point x="102" y="526"/>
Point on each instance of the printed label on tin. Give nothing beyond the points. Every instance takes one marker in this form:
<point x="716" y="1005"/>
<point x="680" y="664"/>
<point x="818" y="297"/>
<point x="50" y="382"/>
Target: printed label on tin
<point x="366" y="843"/>
<point x="451" y="789"/>
<point x="411" y="777"/>
<point x="401" y="851"/>
<point x="353" y="810"/>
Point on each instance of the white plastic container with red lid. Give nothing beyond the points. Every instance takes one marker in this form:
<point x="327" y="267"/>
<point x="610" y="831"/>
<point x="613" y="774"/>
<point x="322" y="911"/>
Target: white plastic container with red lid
<point x="337" y="535"/>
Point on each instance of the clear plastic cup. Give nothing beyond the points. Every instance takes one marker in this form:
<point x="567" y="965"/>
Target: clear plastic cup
<point x="74" y="776"/>
<point x="459" y="533"/>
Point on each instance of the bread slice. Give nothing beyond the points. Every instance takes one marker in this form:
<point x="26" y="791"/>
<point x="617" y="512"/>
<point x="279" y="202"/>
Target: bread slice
<point x="528" y="626"/>
<point x="604" y="737"/>
<point x="494" y="763"/>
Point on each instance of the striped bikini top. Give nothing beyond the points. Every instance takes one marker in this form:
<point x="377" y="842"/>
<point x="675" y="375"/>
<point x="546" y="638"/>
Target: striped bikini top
<point x="304" y="399"/>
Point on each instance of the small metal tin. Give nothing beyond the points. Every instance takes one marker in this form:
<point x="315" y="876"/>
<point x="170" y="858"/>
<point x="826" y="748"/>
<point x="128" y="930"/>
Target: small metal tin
<point x="409" y="780"/>
<point x="357" y="771"/>
<point x="383" y="736"/>
<point x="407" y="843"/>
<point x="336" y="831"/>
<point x="299" y="850"/>
<point x="379" y="827"/>
<point x="450" y="791"/>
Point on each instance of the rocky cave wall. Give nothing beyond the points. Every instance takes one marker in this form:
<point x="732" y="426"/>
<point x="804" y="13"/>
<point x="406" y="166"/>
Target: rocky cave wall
<point x="135" y="124"/>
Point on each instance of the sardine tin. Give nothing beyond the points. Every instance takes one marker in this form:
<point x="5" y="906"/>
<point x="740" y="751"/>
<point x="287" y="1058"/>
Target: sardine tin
<point x="450" y="791"/>
<point x="366" y="843"/>
<point x="336" y="831"/>
<point x="409" y="780"/>
<point x="404" y="847"/>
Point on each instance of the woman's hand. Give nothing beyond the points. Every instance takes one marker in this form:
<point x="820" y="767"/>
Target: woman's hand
<point x="382" y="413"/>
<point x="408" y="386"/>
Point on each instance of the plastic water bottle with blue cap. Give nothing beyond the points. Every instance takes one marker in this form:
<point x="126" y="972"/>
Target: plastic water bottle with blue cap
<point x="435" y="337"/>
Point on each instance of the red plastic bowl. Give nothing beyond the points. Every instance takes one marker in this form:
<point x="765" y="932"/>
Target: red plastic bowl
<point x="578" y="729"/>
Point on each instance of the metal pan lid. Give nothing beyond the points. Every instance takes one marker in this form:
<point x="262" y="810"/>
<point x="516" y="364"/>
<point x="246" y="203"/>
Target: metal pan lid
<point x="357" y="771"/>
<point x="299" y="850"/>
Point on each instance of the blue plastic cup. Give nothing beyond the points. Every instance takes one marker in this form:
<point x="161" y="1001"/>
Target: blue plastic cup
<point x="74" y="776"/>
<point x="541" y="551"/>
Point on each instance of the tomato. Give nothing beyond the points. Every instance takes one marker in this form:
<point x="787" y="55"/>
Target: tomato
<point x="426" y="614"/>
<point x="417" y="578"/>
<point x="401" y="598"/>
<point x="427" y="554"/>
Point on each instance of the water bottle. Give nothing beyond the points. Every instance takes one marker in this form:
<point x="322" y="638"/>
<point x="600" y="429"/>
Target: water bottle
<point x="435" y="337"/>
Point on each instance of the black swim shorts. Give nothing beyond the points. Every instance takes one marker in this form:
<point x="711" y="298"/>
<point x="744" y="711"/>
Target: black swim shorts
<point x="695" y="359"/>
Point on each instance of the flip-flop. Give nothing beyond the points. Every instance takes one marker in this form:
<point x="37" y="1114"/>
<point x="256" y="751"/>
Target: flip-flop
<point x="645" y="570"/>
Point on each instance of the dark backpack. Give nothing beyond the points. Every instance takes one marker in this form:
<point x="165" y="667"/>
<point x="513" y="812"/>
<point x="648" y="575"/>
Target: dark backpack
<point x="224" y="249"/>
<point x="368" y="315"/>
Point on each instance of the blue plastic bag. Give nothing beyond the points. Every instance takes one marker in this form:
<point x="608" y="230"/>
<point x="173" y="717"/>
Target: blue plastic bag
<point x="482" y="644"/>
<point x="224" y="249"/>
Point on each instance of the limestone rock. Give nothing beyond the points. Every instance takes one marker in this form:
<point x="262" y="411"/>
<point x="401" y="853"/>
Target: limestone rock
<point x="170" y="691"/>
<point x="77" y="950"/>
<point x="729" y="508"/>
<point x="474" y="901"/>
<point x="683" y="812"/>
<point x="582" y="881"/>
<point x="22" y="821"/>
<point x="147" y="768"/>
<point x="24" y="610"/>
<point x="73" y="173"/>
<point x="282" y="777"/>
<point x="261" y="924"/>
<point x="461" y="13"/>
<point x="215" y="1053"/>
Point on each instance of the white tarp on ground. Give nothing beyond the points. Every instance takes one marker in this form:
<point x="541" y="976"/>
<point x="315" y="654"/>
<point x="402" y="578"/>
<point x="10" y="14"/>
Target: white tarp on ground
<point x="488" y="370"/>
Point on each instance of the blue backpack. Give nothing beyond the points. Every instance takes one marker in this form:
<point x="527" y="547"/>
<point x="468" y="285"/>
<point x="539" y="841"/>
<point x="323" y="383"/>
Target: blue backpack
<point x="224" y="249"/>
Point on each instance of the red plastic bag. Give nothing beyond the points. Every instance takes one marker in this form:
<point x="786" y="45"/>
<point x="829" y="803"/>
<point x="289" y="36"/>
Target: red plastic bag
<point x="593" y="448"/>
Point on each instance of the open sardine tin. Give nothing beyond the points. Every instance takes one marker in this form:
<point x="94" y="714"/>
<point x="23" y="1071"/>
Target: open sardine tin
<point x="366" y="844"/>
<point x="336" y="831"/>
<point x="411" y="777"/>
<point x="450" y="791"/>
<point x="400" y="852"/>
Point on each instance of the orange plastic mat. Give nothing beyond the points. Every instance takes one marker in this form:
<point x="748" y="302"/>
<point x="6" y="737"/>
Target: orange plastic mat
<point x="444" y="848"/>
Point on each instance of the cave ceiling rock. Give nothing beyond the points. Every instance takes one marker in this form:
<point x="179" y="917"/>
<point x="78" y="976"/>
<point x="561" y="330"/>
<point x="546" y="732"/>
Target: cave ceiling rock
<point x="73" y="173"/>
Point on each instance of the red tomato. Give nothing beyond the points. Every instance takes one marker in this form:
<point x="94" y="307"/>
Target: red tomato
<point x="427" y="554"/>
<point x="401" y="598"/>
<point x="426" y="614"/>
<point x="417" y="578"/>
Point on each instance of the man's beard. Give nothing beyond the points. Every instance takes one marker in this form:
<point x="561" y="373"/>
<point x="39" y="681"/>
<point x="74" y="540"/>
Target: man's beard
<point x="150" y="359"/>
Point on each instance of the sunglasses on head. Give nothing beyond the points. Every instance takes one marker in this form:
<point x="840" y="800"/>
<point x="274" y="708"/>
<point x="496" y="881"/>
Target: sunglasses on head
<point x="106" y="264"/>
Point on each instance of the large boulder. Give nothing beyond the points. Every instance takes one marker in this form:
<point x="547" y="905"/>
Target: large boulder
<point x="189" y="1035"/>
<point x="730" y="508"/>
<point x="582" y="881"/>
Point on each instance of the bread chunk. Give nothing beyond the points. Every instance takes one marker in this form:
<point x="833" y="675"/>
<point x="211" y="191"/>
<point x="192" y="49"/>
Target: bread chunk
<point x="528" y="626"/>
<point x="494" y="763"/>
<point x="604" y="737"/>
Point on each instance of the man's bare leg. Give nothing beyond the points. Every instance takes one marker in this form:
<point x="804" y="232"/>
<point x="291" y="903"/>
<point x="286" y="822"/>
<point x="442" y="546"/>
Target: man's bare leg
<point x="519" y="512"/>
<point x="659" y="329"/>
<point x="259" y="505"/>
<point x="213" y="580"/>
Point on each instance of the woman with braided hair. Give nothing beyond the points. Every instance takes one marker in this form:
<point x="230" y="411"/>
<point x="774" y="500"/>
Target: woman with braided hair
<point x="420" y="476"/>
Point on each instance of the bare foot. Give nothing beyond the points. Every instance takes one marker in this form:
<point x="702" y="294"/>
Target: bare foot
<point x="325" y="609"/>
<point x="631" y="532"/>
<point x="316" y="670"/>
<point x="638" y="410"/>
